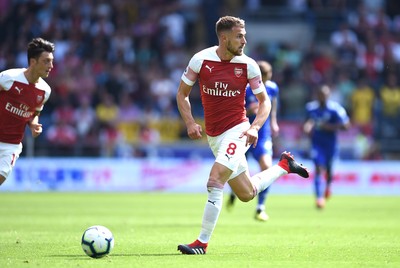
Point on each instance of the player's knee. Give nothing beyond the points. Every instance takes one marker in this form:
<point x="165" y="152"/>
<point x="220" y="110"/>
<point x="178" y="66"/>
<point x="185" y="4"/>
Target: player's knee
<point x="2" y="179"/>
<point x="245" y="196"/>
<point x="215" y="182"/>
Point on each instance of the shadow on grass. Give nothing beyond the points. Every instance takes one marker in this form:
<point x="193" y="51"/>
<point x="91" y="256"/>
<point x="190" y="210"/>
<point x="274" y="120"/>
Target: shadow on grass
<point x="115" y="255"/>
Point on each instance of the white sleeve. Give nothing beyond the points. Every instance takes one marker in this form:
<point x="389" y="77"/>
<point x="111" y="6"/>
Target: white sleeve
<point x="253" y="69"/>
<point x="192" y="70"/>
<point x="5" y="81"/>
<point x="254" y="77"/>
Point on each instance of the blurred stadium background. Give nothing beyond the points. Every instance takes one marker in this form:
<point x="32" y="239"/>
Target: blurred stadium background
<point x="112" y="114"/>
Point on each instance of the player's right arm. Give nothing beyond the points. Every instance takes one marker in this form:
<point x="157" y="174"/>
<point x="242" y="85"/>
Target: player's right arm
<point x="308" y="126"/>
<point x="4" y="81"/>
<point x="194" y="130"/>
<point x="309" y="122"/>
<point x="35" y="126"/>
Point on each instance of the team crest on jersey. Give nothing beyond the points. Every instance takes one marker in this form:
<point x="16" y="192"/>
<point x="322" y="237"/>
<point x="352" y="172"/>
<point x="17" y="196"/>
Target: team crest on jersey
<point x="39" y="98"/>
<point x="238" y="72"/>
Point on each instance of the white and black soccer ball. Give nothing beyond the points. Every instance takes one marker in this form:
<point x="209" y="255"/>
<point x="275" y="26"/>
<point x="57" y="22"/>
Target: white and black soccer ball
<point x="97" y="241"/>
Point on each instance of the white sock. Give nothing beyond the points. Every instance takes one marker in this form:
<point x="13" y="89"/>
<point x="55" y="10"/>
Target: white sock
<point x="265" y="178"/>
<point x="211" y="213"/>
<point x="260" y="207"/>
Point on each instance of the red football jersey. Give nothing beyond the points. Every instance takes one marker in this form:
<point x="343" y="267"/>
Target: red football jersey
<point x="19" y="100"/>
<point x="223" y="87"/>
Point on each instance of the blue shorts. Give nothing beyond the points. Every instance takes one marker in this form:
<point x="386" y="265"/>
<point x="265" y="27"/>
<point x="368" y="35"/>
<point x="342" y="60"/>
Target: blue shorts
<point x="322" y="155"/>
<point x="264" y="147"/>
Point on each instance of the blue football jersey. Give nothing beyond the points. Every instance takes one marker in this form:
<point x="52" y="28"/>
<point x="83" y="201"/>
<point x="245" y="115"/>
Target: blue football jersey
<point x="273" y="92"/>
<point x="334" y="113"/>
<point x="264" y="144"/>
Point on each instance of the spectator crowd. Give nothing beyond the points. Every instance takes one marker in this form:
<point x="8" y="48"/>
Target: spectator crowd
<point x="118" y="64"/>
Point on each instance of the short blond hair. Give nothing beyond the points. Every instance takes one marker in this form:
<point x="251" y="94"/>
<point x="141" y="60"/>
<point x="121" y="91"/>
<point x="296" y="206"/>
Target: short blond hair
<point x="226" y="23"/>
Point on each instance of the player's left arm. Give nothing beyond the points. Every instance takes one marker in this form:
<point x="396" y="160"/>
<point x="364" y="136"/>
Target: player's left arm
<point x="264" y="103"/>
<point x="274" y="116"/>
<point x="35" y="126"/>
<point x="264" y="109"/>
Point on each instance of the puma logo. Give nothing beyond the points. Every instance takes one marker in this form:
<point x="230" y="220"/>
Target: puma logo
<point x="209" y="68"/>
<point x="19" y="90"/>
<point x="212" y="202"/>
<point x="229" y="157"/>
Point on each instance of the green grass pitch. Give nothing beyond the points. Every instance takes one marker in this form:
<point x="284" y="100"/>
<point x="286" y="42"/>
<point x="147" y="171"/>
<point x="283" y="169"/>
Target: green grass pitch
<point x="44" y="230"/>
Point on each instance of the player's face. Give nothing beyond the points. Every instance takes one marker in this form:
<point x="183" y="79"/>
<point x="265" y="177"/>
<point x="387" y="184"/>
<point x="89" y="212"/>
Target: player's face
<point x="43" y="65"/>
<point x="323" y="95"/>
<point x="236" y="41"/>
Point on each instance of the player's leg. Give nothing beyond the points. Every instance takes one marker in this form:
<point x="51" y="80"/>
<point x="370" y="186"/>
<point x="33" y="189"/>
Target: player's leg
<point x="218" y="176"/>
<point x="9" y="154"/>
<point x="265" y="162"/>
<point x="232" y="196"/>
<point x="287" y="164"/>
<point x="320" y="181"/>
<point x="261" y="214"/>
<point x="246" y="190"/>
<point x="231" y="200"/>
<point x="330" y="154"/>
<point x="2" y="179"/>
<point x="319" y="186"/>
<point x="246" y="187"/>
<point x="229" y="151"/>
<point x="5" y="165"/>
<point x="329" y="179"/>
<point x="242" y="186"/>
<point x="318" y="156"/>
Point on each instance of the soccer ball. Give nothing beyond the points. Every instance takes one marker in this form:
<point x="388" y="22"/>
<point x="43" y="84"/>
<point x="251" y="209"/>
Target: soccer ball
<point x="97" y="241"/>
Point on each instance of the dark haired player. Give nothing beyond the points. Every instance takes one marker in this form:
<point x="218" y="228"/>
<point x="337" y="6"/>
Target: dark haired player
<point x="324" y="119"/>
<point x="23" y="93"/>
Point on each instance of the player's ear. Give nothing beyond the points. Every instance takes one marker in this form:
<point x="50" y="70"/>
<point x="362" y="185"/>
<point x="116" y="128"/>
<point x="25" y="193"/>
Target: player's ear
<point x="32" y="61"/>
<point x="223" y="36"/>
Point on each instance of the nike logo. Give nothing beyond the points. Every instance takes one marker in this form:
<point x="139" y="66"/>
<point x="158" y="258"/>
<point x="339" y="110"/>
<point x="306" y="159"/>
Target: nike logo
<point x="209" y="68"/>
<point x="212" y="202"/>
<point x="18" y="89"/>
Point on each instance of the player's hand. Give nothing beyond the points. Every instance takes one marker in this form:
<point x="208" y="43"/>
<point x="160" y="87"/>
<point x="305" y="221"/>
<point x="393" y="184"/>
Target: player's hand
<point x="308" y="127"/>
<point x="36" y="129"/>
<point x="251" y="136"/>
<point x="194" y="131"/>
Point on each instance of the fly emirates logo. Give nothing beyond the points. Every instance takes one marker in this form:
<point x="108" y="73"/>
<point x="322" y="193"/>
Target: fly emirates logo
<point x="22" y="110"/>
<point x="221" y="89"/>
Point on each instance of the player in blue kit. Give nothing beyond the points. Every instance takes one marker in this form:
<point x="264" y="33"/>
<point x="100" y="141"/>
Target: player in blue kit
<point x="324" y="119"/>
<point x="263" y="152"/>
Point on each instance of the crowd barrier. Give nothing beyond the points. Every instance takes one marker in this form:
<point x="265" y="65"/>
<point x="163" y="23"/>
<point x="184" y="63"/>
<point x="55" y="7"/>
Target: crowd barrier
<point x="179" y="175"/>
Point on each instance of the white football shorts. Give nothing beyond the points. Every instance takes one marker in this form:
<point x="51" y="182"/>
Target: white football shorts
<point x="9" y="154"/>
<point x="230" y="150"/>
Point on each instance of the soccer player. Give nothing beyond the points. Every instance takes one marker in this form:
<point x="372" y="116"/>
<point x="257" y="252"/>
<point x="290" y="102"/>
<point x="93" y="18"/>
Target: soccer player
<point x="23" y="93"/>
<point x="223" y="72"/>
<point x="324" y="119"/>
<point x="262" y="153"/>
